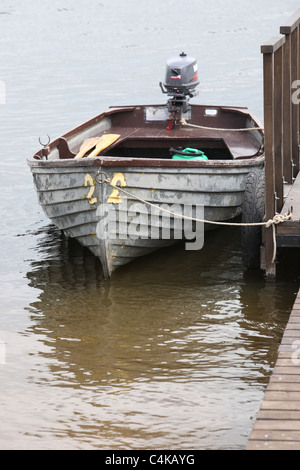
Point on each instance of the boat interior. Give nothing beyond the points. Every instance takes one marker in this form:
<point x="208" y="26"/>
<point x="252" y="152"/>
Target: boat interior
<point x="146" y="132"/>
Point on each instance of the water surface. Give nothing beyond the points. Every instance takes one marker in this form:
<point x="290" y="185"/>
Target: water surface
<point x="176" y="350"/>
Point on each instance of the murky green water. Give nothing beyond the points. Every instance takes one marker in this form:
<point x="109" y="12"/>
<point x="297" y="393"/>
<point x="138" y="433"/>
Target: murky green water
<point x="175" y="351"/>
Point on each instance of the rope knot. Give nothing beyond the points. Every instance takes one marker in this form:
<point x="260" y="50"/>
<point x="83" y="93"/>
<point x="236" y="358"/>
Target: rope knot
<point x="277" y="219"/>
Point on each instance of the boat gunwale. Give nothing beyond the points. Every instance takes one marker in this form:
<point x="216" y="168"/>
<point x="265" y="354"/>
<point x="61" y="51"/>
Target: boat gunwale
<point x="144" y="162"/>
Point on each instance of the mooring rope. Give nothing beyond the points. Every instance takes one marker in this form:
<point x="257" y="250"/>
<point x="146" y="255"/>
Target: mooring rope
<point x="185" y="123"/>
<point x="277" y="219"/>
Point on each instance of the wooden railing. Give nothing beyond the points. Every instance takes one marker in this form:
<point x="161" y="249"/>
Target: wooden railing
<point x="281" y="64"/>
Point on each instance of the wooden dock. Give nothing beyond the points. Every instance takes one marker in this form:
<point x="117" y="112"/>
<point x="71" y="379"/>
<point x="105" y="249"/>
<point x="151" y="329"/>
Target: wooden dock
<point x="277" y="425"/>
<point x="281" y="64"/>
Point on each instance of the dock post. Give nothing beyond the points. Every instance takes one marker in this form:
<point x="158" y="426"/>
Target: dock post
<point x="269" y="156"/>
<point x="272" y="69"/>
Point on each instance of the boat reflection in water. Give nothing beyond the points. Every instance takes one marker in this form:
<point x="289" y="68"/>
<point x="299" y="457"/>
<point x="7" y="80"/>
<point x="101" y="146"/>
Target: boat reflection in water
<point x="173" y="352"/>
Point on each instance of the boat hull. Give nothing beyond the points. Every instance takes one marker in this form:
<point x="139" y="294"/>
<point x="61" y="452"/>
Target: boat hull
<point x="83" y="201"/>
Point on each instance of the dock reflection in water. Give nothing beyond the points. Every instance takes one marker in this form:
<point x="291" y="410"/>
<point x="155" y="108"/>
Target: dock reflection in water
<point x="173" y="352"/>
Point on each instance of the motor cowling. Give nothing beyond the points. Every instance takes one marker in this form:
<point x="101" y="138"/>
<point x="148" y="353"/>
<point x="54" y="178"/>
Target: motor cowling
<point x="181" y="79"/>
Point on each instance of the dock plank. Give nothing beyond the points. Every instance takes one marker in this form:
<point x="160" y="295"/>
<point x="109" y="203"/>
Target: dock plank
<point x="288" y="232"/>
<point x="279" y="414"/>
<point x="273" y="445"/>
<point x="282" y="395"/>
<point x="293" y="199"/>
<point x="277" y="425"/>
<point x="279" y="405"/>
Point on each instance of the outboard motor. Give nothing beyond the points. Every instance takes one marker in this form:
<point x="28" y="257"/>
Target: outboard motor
<point x="181" y="82"/>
